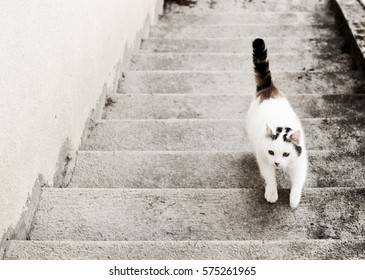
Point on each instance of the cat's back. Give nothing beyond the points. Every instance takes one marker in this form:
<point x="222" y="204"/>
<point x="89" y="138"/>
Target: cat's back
<point x="272" y="108"/>
<point x="275" y="112"/>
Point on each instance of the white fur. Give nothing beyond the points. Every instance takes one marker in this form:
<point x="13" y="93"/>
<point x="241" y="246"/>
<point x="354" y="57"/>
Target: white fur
<point x="277" y="113"/>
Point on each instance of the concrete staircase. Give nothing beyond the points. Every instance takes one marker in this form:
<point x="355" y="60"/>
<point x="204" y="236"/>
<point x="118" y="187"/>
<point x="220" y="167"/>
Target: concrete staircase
<point x="168" y="174"/>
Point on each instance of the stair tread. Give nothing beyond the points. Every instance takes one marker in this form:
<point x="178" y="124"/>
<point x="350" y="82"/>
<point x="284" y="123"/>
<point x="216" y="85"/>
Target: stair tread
<point x="177" y="250"/>
<point x="188" y="106"/>
<point x="239" y="62"/>
<point x="224" y="169"/>
<point x="234" y="6"/>
<point x="219" y="82"/>
<point x="241" y="45"/>
<point x="238" y="30"/>
<point x="197" y="214"/>
<point x="304" y="18"/>
<point x="195" y="134"/>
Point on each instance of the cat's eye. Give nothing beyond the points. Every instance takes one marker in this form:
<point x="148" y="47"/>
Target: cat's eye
<point x="286" y="154"/>
<point x="271" y="152"/>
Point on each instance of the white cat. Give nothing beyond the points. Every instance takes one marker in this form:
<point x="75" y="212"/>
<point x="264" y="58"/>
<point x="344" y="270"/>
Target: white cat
<point x="275" y="132"/>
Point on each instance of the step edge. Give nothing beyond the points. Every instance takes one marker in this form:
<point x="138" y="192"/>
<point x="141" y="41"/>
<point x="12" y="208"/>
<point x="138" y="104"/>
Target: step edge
<point x="306" y="95"/>
<point x="221" y="152"/>
<point x="145" y="71"/>
<point x="258" y="241"/>
<point x="277" y="54"/>
<point x="249" y="24"/>
<point x="187" y="190"/>
<point x="327" y="37"/>
<point x="103" y="121"/>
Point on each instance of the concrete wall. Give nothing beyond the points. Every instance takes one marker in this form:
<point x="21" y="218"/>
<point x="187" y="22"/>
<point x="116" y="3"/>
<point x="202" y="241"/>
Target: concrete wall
<point x="57" y="58"/>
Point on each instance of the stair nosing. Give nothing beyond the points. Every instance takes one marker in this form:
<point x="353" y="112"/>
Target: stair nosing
<point x="249" y="24"/>
<point x="225" y="54"/>
<point x="212" y="241"/>
<point x="235" y="71"/>
<point x="242" y="38"/>
<point x="165" y="152"/>
<point x="182" y="189"/>
<point x="208" y="120"/>
<point x="315" y="95"/>
<point x="253" y="13"/>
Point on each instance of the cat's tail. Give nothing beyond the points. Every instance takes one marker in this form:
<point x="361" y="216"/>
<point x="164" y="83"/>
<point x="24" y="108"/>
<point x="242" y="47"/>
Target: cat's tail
<point x="261" y="65"/>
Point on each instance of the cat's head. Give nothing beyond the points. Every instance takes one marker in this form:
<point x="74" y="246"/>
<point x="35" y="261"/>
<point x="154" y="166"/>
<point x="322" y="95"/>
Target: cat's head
<point x="282" y="146"/>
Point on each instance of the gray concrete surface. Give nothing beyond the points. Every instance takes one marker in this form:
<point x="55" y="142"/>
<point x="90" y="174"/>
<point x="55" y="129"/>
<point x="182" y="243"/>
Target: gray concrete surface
<point x="247" y="6"/>
<point x="207" y="170"/>
<point x="222" y="82"/>
<point x="353" y="27"/>
<point x="249" y="31"/>
<point x="197" y="214"/>
<point x="241" y="45"/>
<point x="239" y="62"/>
<point x="199" y="106"/>
<point x="214" y="135"/>
<point x="269" y="18"/>
<point x="178" y="250"/>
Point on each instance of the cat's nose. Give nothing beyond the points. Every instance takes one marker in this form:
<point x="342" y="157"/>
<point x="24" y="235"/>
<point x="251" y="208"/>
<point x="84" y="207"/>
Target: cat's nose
<point x="277" y="163"/>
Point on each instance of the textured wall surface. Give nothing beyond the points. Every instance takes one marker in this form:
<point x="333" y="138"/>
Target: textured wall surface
<point x="56" y="58"/>
<point x="354" y="14"/>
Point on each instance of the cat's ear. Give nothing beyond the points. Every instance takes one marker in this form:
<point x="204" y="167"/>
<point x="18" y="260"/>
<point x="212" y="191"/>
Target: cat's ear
<point x="269" y="132"/>
<point x="295" y="137"/>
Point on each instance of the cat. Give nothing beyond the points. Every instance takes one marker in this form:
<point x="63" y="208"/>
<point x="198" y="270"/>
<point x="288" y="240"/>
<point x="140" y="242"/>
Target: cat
<point x="275" y="132"/>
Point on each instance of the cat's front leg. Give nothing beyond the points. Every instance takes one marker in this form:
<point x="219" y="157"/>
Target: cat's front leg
<point x="268" y="173"/>
<point x="297" y="175"/>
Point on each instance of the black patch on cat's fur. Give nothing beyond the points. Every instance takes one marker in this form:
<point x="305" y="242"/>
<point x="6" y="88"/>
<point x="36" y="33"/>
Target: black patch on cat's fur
<point x="285" y="136"/>
<point x="275" y="136"/>
<point x="298" y="149"/>
<point x="277" y="133"/>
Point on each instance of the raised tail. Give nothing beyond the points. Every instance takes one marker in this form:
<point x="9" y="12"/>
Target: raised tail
<point x="261" y="65"/>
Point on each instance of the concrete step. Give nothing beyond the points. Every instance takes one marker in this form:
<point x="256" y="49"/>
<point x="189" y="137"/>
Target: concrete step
<point x="305" y="18"/>
<point x="250" y="31"/>
<point x="304" y="82"/>
<point x="243" y="6"/>
<point x="197" y="214"/>
<point x="207" y="170"/>
<point x="178" y="250"/>
<point x="237" y="45"/>
<point x="239" y="62"/>
<point x="214" y="135"/>
<point x="234" y="106"/>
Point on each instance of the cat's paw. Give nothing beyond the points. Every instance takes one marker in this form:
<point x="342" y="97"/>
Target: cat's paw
<point x="294" y="200"/>
<point x="271" y="196"/>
